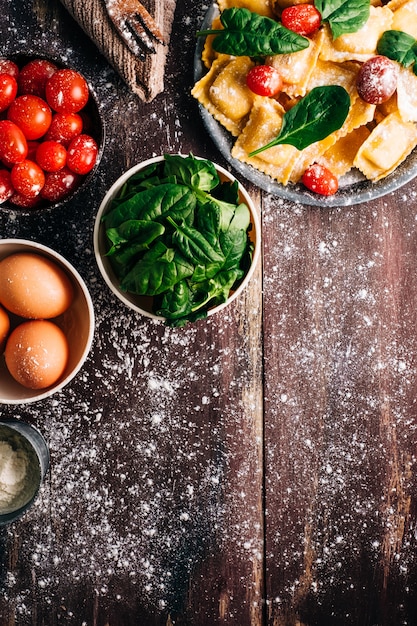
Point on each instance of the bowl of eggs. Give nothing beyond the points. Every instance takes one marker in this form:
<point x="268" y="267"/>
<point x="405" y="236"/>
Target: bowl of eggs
<point x="177" y="238"/>
<point x="46" y="321"/>
<point x="51" y="133"/>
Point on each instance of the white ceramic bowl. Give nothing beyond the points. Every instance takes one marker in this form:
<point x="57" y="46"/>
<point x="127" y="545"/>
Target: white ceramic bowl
<point x="143" y="304"/>
<point x="77" y="323"/>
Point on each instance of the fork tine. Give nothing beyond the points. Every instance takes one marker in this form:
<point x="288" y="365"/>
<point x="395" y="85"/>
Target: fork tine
<point x="149" y="24"/>
<point x="140" y="33"/>
<point x="129" y="37"/>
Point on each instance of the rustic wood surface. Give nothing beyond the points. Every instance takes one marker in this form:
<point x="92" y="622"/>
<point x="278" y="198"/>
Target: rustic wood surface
<point x="257" y="468"/>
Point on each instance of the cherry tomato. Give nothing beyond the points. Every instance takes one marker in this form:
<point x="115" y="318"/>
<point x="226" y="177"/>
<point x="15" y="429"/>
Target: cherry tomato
<point x="320" y="179"/>
<point x="6" y="187"/>
<point x="67" y="91"/>
<point x="8" y="91"/>
<point x="24" y="201"/>
<point x="27" y="178"/>
<point x="13" y="144"/>
<point x="59" y="184"/>
<point x="9" y="67"/>
<point x="303" y="19"/>
<point x="64" y="127"/>
<point x="34" y="75"/>
<point x="264" y="80"/>
<point x="31" y="114"/>
<point x="376" y="81"/>
<point x="82" y="154"/>
<point x="51" y="156"/>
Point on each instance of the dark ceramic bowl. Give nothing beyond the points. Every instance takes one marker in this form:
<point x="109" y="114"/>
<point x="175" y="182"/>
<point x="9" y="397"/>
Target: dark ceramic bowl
<point x="95" y="128"/>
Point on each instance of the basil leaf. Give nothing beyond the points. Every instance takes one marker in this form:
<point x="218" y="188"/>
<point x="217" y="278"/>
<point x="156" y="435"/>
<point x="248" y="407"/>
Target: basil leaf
<point x="399" y="46"/>
<point x="249" y="34"/>
<point x="343" y="16"/>
<point x="322" y="111"/>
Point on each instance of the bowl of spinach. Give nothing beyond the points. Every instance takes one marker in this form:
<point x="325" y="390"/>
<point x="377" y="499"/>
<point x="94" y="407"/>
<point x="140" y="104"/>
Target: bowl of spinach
<point x="177" y="238"/>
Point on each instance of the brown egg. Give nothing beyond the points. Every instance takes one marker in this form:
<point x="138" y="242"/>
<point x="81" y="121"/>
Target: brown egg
<point x="37" y="353"/>
<point x="33" y="286"/>
<point x="4" y="327"/>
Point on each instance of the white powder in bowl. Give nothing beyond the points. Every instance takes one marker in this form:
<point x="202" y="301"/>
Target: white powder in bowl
<point x="19" y="471"/>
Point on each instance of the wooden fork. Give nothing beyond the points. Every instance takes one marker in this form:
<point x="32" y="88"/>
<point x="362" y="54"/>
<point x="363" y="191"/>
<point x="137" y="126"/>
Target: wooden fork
<point x="135" y="25"/>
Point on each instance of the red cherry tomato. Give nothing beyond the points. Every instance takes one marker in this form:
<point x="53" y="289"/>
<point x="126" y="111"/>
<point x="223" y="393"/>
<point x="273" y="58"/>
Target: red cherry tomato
<point x="8" y="91"/>
<point x="59" y="184"/>
<point x="6" y="187"/>
<point x="64" y="127"/>
<point x="31" y="114"/>
<point x="320" y="179"/>
<point x="34" y="75"/>
<point x="264" y="80"/>
<point x="51" y="156"/>
<point x="9" y="67"/>
<point x="67" y="91"/>
<point x="25" y="202"/>
<point x="82" y="154"/>
<point x="27" y="178"/>
<point x="377" y="80"/>
<point x="303" y="19"/>
<point x="13" y="144"/>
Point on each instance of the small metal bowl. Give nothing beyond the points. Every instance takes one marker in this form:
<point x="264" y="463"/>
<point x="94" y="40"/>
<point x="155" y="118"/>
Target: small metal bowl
<point x="24" y="461"/>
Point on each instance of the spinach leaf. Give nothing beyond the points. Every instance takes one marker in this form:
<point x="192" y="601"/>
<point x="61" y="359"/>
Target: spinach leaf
<point x="217" y="289"/>
<point x="154" y="203"/>
<point x="241" y="218"/>
<point x="176" y="302"/>
<point x="249" y="34"/>
<point x="198" y="174"/>
<point x="194" y="246"/>
<point x="322" y="111"/>
<point x="399" y="46"/>
<point x="141" y="232"/>
<point x="343" y="16"/>
<point x="159" y="269"/>
<point x="233" y="244"/>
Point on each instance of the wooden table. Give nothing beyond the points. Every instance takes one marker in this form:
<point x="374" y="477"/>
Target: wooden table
<point x="255" y="468"/>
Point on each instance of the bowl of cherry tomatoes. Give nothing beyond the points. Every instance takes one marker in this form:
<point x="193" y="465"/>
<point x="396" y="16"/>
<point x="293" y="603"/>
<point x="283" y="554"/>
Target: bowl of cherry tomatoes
<point x="51" y="133"/>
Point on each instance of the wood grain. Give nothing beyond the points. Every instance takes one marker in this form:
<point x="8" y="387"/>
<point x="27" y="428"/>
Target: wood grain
<point x="257" y="468"/>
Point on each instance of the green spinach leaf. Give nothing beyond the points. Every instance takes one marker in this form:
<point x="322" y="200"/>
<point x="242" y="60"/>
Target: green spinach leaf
<point x="322" y="111"/>
<point x="399" y="46"/>
<point x="248" y="34"/>
<point x="175" y="302"/>
<point x="194" y="246"/>
<point x="142" y="232"/>
<point x="198" y="174"/>
<point x="343" y="16"/>
<point x="216" y="289"/>
<point x="153" y="204"/>
<point x="158" y="270"/>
